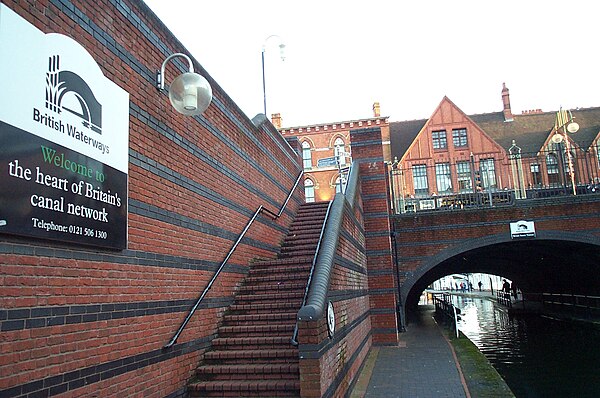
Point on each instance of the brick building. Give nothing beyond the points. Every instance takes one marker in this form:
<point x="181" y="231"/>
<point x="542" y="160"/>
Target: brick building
<point x="326" y="150"/>
<point x="453" y="153"/>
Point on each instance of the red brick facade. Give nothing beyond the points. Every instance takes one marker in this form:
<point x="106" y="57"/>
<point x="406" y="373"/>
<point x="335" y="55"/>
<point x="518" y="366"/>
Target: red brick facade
<point x="321" y="139"/>
<point x="79" y="321"/>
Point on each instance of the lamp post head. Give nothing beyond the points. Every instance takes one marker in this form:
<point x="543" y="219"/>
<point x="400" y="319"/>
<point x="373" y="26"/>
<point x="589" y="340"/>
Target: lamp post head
<point x="573" y="127"/>
<point x="190" y="94"/>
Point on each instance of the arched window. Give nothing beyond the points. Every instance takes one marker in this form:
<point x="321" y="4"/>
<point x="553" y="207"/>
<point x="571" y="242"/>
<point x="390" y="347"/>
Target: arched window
<point x="338" y="185"/>
<point x="339" y="149"/>
<point x="306" y="156"/>
<point x="309" y="190"/>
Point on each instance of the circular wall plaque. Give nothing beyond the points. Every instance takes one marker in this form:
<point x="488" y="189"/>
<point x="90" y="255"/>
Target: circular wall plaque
<point x="330" y="319"/>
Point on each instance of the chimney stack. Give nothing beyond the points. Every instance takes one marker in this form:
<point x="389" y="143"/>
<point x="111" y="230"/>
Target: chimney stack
<point x="376" y="109"/>
<point x="276" y="120"/>
<point x="508" y="116"/>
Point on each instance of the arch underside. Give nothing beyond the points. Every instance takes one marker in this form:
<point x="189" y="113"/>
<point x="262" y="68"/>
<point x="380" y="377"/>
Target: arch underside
<point x="554" y="261"/>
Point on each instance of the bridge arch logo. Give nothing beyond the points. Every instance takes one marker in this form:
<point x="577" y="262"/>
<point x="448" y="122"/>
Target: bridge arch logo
<point x="66" y="90"/>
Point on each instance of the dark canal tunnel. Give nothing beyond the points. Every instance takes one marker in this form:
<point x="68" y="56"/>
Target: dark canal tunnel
<point x="535" y="265"/>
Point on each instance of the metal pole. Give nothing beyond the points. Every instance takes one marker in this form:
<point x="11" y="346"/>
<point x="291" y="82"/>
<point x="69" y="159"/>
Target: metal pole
<point x="263" y="78"/>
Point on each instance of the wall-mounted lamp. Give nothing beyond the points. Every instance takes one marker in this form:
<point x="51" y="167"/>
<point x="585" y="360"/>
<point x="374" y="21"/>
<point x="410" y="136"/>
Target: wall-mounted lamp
<point x="189" y="93"/>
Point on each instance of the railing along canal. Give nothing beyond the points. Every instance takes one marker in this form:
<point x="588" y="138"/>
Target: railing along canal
<point x="260" y="209"/>
<point x="443" y="305"/>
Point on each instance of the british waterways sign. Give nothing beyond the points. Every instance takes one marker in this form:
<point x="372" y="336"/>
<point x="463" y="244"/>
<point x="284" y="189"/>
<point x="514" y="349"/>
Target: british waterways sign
<point x="64" y="135"/>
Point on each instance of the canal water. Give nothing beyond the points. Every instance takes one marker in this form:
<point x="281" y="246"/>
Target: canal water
<point x="536" y="356"/>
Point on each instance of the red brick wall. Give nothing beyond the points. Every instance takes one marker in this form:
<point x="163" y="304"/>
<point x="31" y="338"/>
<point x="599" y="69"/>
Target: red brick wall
<point x="368" y="153"/>
<point x="80" y="321"/>
<point x="329" y="366"/>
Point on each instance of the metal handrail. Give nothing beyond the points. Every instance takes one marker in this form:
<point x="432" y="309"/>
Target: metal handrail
<point x="294" y="339"/>
<point x="260" y="209"/>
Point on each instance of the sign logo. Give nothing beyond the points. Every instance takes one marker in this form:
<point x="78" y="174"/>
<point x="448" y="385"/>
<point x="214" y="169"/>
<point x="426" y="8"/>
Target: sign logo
<point x="68" y="86"/>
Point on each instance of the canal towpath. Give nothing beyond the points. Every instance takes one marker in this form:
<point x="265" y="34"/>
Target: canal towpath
<point x="422" y="365"/>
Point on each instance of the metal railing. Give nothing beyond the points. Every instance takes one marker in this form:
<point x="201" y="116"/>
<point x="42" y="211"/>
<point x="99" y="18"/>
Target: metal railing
<point x="503" y="298"/>
<point x="576" y="304"/>
<point x="260" y="209"/>
<point x="494" y="179"/>
<point x="443" y="305"/>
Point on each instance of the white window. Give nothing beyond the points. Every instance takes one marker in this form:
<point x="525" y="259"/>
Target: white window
<point x="306" y="156"/>
<point x="339" y="149"/>
<point x="309" y="190"/>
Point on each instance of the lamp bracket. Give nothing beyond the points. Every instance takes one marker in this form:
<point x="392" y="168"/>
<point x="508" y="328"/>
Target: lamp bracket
<point x="160" y="75"/>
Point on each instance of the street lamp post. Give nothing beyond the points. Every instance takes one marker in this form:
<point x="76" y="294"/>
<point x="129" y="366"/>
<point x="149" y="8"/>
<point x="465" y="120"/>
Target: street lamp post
<point x="564" y="121"/>
<point x="281" y="54"/>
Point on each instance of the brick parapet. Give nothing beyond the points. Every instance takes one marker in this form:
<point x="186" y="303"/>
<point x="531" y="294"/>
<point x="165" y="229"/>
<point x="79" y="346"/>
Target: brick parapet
<point x="368" y="153"/>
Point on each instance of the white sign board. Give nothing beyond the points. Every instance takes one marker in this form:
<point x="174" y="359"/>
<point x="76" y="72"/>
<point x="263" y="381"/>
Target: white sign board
<point x="64" y="134"/>
<point x="522" y="229"/>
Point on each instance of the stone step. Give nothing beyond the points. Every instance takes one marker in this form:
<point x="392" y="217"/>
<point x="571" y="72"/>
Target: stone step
<point x="275" y="288"/>
<point x="259" y="371"/>
<point x="251" y="388"/>
<point x="296" y="253"/>
<point x="281" y="261"/>
<point x="268" y="297"/>
<point x="251" y="343"/>
<point x="280" y="269"/>
<point x="311" y="247"/>
<point x="252" y="356"/>
<point x="256" y="330"/>
<point x="255" y="308"/>
<point x="277" y="278"/>
<point x="285" y="318"/>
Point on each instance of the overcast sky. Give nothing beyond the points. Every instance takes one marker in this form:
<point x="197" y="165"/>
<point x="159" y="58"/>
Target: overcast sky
<point x="341" y="56"/>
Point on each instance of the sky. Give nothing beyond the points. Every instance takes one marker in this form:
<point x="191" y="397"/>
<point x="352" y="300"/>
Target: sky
<point x="342" y="56"/>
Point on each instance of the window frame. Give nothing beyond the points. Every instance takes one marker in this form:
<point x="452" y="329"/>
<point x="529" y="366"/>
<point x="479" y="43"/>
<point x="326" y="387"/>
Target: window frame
<point x="306" y="160"/>
<point x="438" y="141"/>
<point x="460" y="138"/>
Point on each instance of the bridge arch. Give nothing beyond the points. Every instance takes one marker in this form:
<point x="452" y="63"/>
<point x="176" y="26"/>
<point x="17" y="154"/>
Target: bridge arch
<point x="566" y="261"/>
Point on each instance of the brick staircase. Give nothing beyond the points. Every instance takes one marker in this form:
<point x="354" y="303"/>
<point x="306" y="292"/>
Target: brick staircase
<point x="252" y="355"/>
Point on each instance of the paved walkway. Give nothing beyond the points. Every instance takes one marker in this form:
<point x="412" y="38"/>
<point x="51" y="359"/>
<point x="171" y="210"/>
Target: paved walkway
<point x="422" y="366"/>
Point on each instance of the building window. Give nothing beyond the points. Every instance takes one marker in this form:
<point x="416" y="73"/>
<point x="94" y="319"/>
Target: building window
<point x="306" y="156"/>
<point x="420" y="180"/>
<point x="488" y="173"/>
<point x="536" y="176"/>
<point x="443" y="178"/>
<point x="553" y="169"/>
<point x="338" y="185"/>
<point x="459" y="138"/>
<point x="309" y="190"/>
<point x="439" y="139"/>
<point x="463" y="173"/>
<point x="339" y="150"/>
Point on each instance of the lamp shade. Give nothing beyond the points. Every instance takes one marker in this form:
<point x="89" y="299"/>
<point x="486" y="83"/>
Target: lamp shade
<point x="190" y="94"/>
<point x="572" y="127"/>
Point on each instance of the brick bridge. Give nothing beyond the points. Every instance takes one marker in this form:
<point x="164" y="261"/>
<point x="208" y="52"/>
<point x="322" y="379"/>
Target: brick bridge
<point x="563" y="257"/>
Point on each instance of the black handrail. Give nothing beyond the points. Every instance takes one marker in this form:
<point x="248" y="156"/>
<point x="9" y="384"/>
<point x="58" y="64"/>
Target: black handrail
<point x="260" y="209"/>
<point x="294" y="339"/>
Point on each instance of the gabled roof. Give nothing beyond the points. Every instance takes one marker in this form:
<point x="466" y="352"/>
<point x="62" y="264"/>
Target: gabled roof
<point x="402" y="135"/>
<point x="529" y="131"/>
